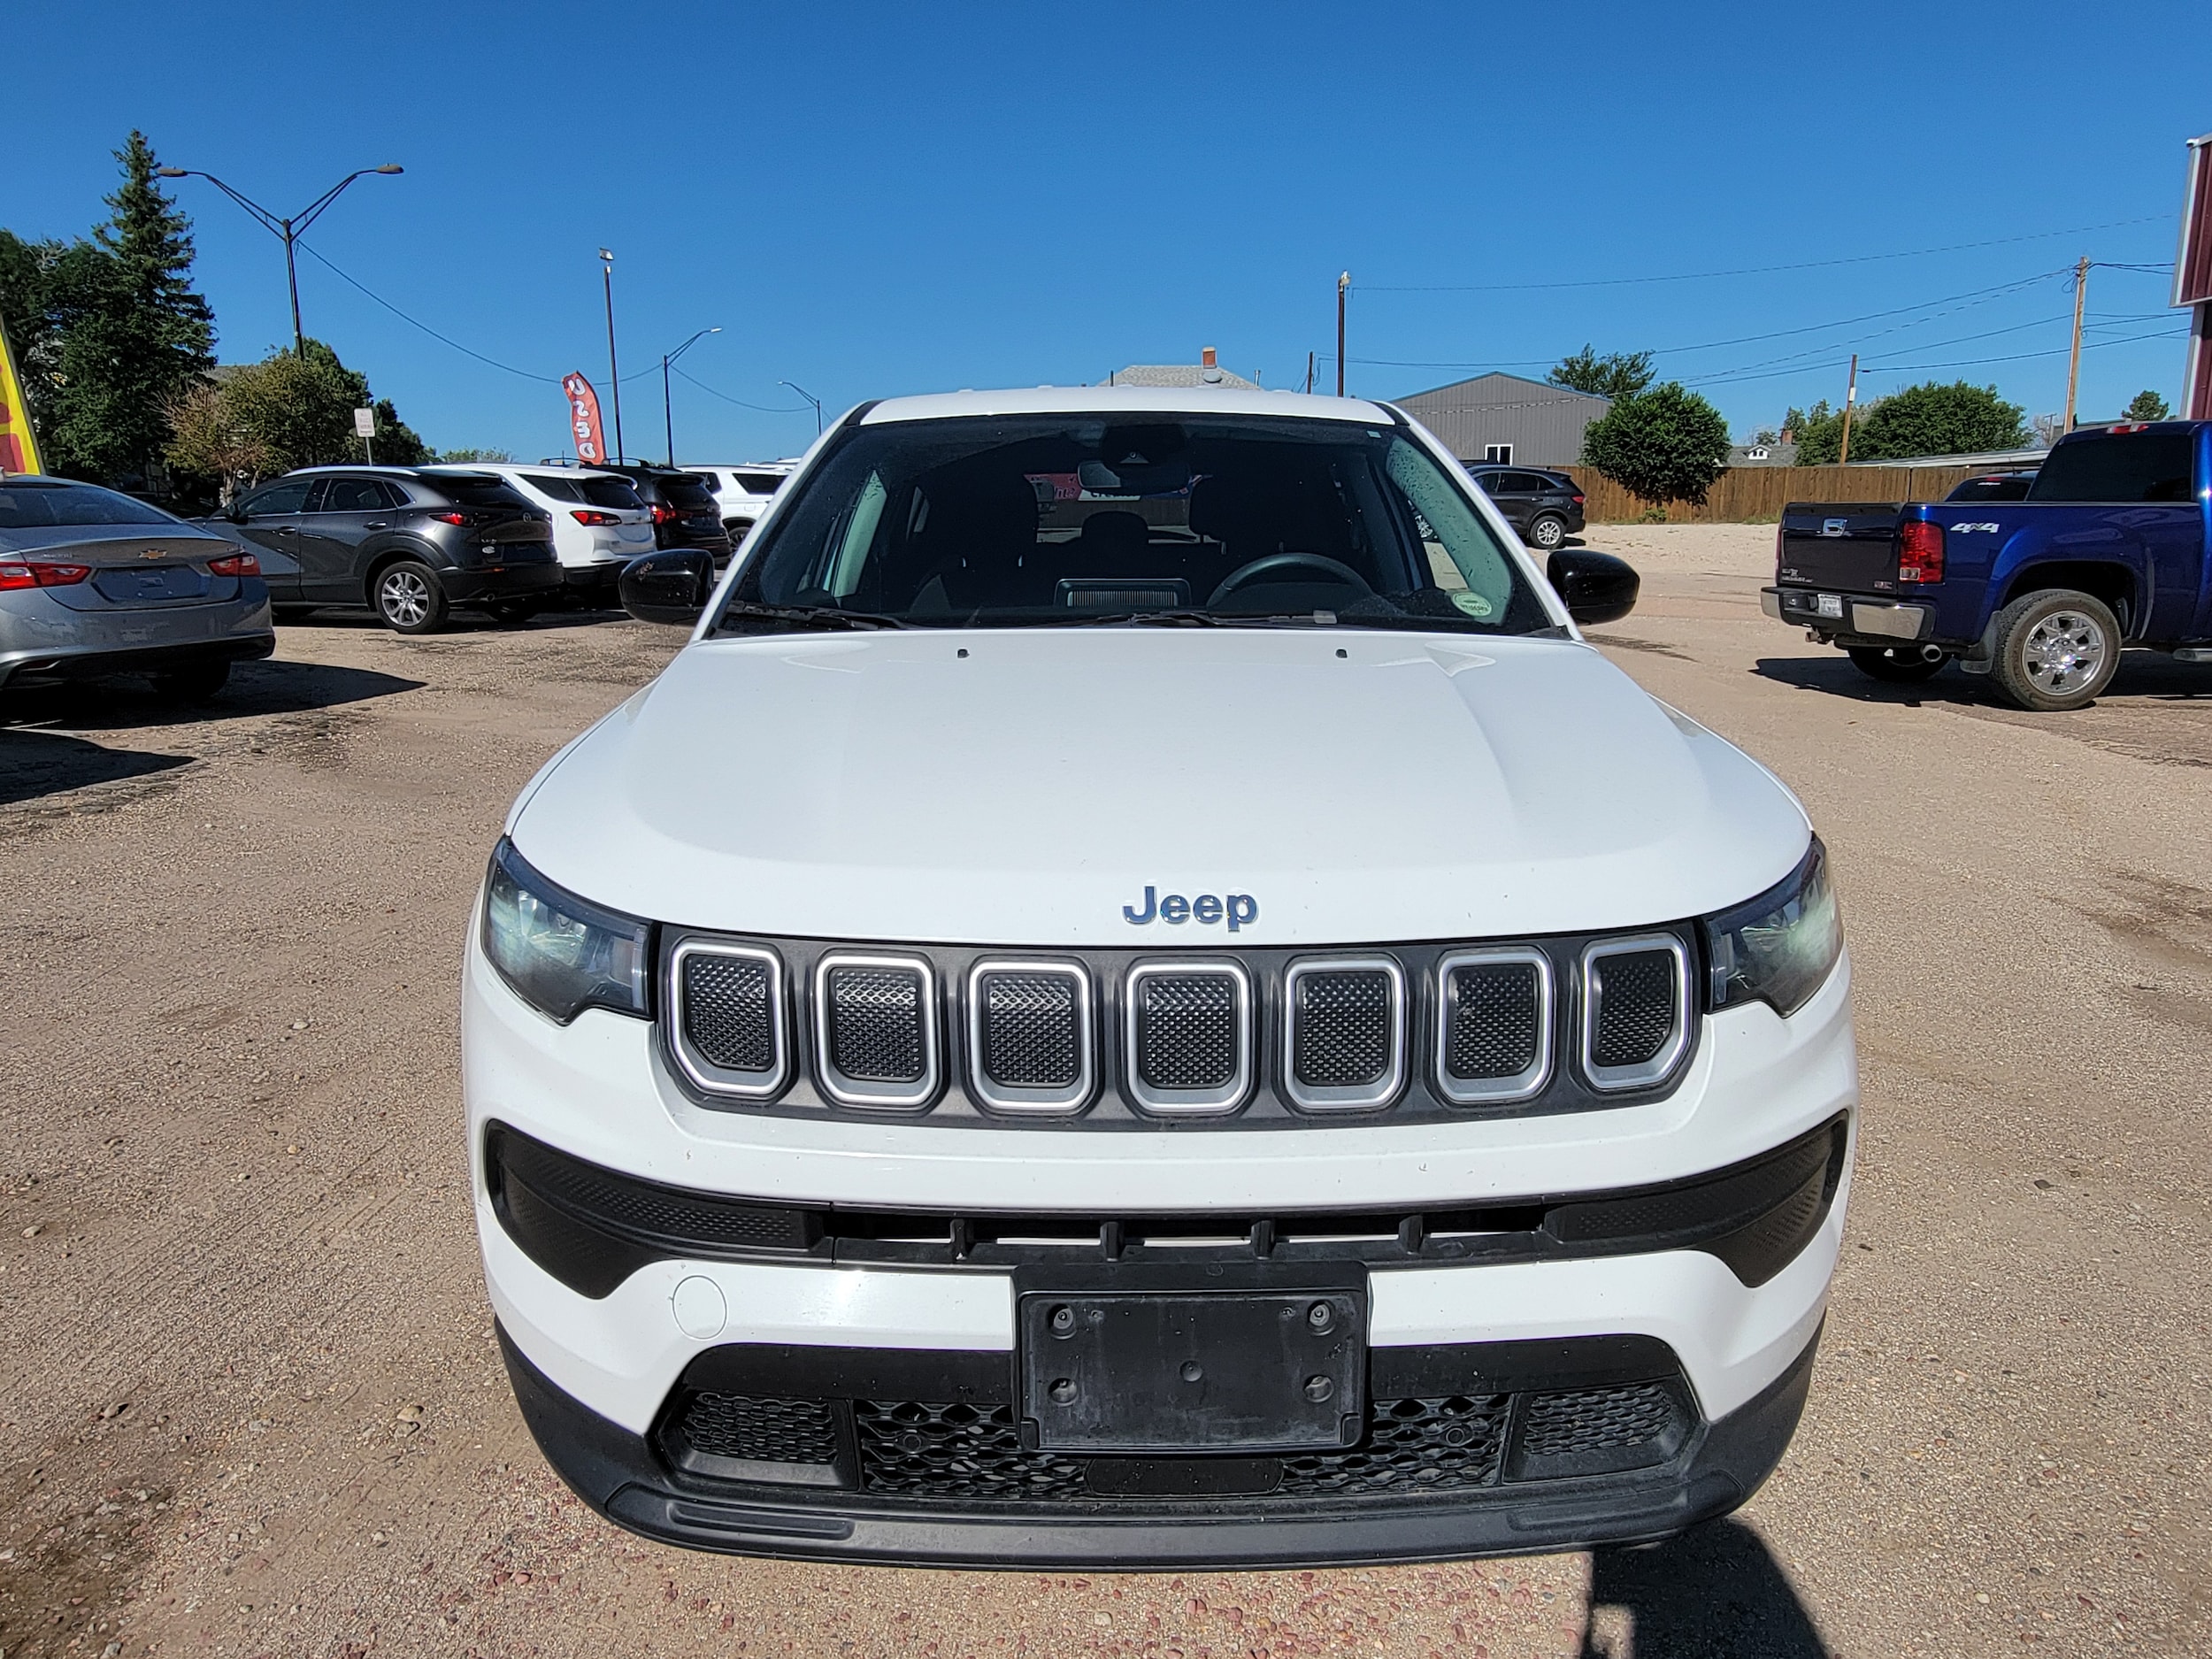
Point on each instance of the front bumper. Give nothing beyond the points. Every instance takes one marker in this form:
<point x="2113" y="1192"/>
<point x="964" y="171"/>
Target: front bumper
<point x="1208" y="1515"/>
<point x="601" y="1373"/>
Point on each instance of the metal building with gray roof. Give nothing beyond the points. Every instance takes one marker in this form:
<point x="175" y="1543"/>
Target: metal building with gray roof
<point x="1498" y="417"/>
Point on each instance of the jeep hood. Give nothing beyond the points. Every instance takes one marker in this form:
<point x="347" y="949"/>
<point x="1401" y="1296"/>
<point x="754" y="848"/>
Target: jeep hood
<point x="1023" y="788"/>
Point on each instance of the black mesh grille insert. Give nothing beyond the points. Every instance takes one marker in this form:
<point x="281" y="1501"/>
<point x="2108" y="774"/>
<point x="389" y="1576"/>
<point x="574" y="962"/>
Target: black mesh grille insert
<point x="1032" y="1030"/>
<point x="729" y="1011"/>
<point x="1412" y="1446"/>
<point x="875" y="1024"/>
<point x="1493" y="1017"/>
<point x="1596" y="1419"/>
<point x="1186" y="1030"/>
<point x="1634" y="993"/>
<point x="761" y="1430"/>
<point x="972" y="1454"/>
<point x="1342" y="1026"/>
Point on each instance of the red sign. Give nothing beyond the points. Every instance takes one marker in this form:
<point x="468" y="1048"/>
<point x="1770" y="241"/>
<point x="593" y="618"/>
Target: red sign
<point x="583" y="418"/>
<point x="2193" y="278"/>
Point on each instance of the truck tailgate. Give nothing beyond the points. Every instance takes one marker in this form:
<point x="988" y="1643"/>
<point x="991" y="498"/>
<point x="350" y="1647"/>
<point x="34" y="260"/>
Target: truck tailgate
<point x="1850" y="546"/>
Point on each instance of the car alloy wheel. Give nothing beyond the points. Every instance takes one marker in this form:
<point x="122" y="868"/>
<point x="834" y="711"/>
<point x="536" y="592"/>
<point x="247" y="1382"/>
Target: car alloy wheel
<point x="409" y="598"/>
<point x="2064" y="652"/>
<point x="1546" y="534"/>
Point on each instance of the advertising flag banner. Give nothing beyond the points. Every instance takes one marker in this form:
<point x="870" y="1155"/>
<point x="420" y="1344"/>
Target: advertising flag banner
<point x="583" y="420"/>
<point x="2193" y="278"/>
<point x="18" y="445"/>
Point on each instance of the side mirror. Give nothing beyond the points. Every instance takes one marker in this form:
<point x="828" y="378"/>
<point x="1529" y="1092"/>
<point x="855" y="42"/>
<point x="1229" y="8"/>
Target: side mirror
<point x="236" y="512"/>
<point x="1596" y="587"/>
<point x="672" y="585"/>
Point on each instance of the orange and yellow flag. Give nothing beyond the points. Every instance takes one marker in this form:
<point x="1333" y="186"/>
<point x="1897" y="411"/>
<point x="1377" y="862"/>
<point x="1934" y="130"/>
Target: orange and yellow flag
<point x="18" y="445"/>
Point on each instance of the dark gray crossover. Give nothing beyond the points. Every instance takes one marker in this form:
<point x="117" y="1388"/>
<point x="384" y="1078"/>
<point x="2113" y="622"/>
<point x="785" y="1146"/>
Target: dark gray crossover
<point x="410" y="545"/>
<point x="93" y="582"/>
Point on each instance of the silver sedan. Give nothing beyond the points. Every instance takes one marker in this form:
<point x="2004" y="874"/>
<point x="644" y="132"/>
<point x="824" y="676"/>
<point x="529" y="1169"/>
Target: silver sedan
<point x="93" y="582"/>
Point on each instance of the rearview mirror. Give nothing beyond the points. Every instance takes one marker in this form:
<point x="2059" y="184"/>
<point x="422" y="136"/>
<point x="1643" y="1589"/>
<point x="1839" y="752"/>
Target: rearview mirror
<point x="1596" y="587"/>
<point x="672" y="585"/>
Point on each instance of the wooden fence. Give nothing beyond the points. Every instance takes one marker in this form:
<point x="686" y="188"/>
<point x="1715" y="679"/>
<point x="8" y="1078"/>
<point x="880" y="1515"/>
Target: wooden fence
<point x="1754" y="495"/>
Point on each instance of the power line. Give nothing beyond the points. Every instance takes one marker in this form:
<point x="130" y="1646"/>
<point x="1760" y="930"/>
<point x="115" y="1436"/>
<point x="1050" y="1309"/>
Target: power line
<point x="1763" y="270"/>
<point x="764" y="408"/>
<point x="416" y="322"/>
<point x="1959" y="363"/>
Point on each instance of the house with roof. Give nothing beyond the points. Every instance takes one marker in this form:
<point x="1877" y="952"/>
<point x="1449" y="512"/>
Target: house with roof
<point x="1498" y="417"/>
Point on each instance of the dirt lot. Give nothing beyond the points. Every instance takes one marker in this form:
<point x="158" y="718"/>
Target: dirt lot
<point x="251" y="1402"/>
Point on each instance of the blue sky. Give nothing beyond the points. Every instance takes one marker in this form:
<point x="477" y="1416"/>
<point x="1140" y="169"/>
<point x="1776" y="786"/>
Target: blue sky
<point x="875" y="199"/>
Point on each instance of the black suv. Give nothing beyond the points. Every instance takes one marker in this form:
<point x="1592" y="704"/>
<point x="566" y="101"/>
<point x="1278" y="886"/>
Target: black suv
<point x="1546" y="508"/>
<point x="686" y="512"/>
<point x="408" y="545"/>
<point x="1994" y="487"/>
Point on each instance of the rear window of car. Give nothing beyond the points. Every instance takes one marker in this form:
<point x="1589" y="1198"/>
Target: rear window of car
<point x="688" y="493"/>
<point x="558" y="488"/>
<point x="2000" y="488"/>
<point x="759" y="483"/>
<point x="608" y="492"/>
<point x="2134" y="466"/>
<point x="43" y="506"/>
<point x="475" y="489"/>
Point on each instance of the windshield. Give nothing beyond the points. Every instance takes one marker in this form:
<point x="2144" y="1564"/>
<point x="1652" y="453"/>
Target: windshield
<point x="1064" y="519"/>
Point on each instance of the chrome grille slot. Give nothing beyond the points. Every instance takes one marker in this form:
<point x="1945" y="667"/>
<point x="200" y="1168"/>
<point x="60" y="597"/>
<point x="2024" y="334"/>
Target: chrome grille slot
<point x="729" y="1025"/>
<point x="1345" y="1034"/>
<point x="1189" y="1036"/>
<point x="1493" y="1026"/>
<point x="875" y="1020"/>
<point x="1030" y="1044"/>
<point x="1634" y="1024"/>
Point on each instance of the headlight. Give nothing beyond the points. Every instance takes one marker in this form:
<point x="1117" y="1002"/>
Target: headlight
<point x="561" y="953"/>
<point x="1778" y="949"/>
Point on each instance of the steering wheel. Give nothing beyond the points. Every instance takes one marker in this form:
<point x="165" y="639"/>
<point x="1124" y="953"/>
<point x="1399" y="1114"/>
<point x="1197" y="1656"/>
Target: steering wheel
<point x="1245" y="575"/>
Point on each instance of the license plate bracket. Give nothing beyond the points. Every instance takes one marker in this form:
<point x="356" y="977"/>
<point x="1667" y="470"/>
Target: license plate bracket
<point x="1142" y="1371"/>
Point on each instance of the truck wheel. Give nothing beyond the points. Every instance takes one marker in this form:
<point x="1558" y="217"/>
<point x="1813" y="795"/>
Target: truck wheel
<point x="1547" y="533"/>
<point x="2055" y="650"/>
<point x="1900" y="666"/>
<point x="410" y="597"/>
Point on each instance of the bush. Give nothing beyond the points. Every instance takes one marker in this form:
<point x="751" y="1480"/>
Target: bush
<point x="1669" y="444"/>
<point x="1926" y="419"/>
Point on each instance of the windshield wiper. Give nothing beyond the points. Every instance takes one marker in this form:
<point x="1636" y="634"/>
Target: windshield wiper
<point x="811" y="616"/>
<point x="1181" y="619"/>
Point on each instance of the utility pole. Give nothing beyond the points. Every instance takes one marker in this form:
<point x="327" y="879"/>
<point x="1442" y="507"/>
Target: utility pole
<point x="287" y="231"/>
<point x="809" y="398"/>
<point x="1850" y="399"/>
<point x="1310" y="373"/>
<point x="1342" y="284"/>
<point x="614" y="375"/>
<point x="2073" y="361"/>
<point x="668" y="408"/>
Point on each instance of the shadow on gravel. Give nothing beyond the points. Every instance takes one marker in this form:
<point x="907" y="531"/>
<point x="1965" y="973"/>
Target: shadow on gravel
<point x="1714" y="1592"/>
<point x="271" y="686"/>
<point x="2145" y="675"/>
<point x="462" y="622"/>
<point x="36" y="764"/>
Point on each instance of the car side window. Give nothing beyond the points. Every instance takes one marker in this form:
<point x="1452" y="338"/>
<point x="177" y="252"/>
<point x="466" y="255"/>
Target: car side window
<point x="351" y="495"/>
<point x="394" y="496"/>
<point x="1525" y="484"/>
<point x="288" y="497"/>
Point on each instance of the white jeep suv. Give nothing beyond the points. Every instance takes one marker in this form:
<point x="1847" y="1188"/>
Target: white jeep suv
<point x="599" y="522"/>
<point x="743" y="492"/>
<point x="1138" y="997"/>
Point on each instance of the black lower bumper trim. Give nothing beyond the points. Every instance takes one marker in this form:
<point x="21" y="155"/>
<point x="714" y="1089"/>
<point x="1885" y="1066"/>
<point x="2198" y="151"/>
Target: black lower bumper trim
<point x="619" y="1475"/>
<point x="509" y="581"/>
<point x="150" y="659"/>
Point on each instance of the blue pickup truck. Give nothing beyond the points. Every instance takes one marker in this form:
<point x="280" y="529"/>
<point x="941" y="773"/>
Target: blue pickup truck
<point x="2112" y="547"/>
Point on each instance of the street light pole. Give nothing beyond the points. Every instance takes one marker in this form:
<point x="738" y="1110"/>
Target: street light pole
<point x="668" y="407"/>
<point x="614" y="375"/>
<point x="1343" y="284"/>
<point x="288" y="231"/>
<point x="811" y="399"/>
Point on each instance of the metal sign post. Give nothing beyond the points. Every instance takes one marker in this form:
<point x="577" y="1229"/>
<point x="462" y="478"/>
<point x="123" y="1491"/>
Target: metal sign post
<point x="364" y="429"/>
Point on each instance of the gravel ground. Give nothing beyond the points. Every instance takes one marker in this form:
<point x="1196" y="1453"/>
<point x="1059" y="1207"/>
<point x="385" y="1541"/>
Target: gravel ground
<point x="250" y="1401"/>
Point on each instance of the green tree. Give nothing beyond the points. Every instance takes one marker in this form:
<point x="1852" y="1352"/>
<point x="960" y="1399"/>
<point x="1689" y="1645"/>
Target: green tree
<point x="1936" y="419"/>
<point x="289" y="409"/>
<point x="456" y="456"/>
<point x="132" y="334"/>
<point x="1668" y="444"/>
<point x="2145" y="405"/>
<point x="1617" y="376"/>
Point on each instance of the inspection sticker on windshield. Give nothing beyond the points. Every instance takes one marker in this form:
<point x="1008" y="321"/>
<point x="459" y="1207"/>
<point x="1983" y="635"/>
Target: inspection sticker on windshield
<point x="1472" y="603"/>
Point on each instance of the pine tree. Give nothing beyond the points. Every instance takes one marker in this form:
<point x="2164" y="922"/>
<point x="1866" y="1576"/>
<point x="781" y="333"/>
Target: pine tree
<point x="135" y="334"/>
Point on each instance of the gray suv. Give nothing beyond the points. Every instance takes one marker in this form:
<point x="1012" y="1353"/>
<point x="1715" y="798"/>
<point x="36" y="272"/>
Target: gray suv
<point x="409" y="545"/>
<point x="93" y="582"/>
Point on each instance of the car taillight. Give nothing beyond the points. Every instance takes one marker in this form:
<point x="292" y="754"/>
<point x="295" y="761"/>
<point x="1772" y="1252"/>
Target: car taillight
<point x="1578" y="501"/>
<point x="665" y="514"/>
<point x="1920" y="552"/>
<point x="234" y="564"/>
<point x="451" y="518"/>
<point x="585" y="515"/>
<point x="14" y="576"/>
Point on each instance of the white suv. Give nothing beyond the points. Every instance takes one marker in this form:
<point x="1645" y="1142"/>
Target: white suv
<point x="743" y="492"/>
<point x="599" y="522"/>
<point x="1137" y="996"/>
